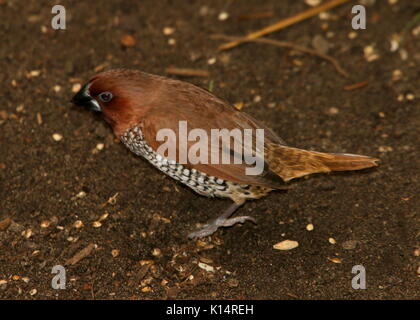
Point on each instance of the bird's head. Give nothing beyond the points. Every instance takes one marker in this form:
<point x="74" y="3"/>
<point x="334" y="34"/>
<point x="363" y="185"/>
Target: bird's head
<point x="121" y="95"/>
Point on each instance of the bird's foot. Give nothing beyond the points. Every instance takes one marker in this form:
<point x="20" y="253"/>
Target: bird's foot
<point x="222" y="221"/>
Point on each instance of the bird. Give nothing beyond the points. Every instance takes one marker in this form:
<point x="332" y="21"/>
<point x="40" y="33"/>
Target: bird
<point x="139" y="105"/>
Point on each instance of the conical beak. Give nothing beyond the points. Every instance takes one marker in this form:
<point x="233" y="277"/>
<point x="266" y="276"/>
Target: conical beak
<point x="82" y="98"/>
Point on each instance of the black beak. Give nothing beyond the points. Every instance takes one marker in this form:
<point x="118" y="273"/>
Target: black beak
<point x="82" y="98"/>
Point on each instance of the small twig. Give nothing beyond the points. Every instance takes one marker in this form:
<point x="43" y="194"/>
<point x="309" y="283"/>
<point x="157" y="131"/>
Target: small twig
<point x="290" y="45"/>
<point x="285" y="23"/>
<point x="356" y="85"/>
<point x="187" y="72"/>
<point x="80" y="255"/>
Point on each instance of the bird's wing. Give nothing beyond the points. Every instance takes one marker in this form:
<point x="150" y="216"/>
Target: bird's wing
<point x="199" y="109"/>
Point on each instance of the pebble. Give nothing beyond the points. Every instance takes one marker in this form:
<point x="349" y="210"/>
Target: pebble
<point x="172" y="42"/>
<point x="333" y="110"/>
<point x="57" y="137"/>
<point x="310" y="227"/>
<point x="57" y="88"/>
<point x="286" y="245"/>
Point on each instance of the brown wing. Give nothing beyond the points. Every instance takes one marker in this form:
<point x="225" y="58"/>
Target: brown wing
<point x="202" y="110"/>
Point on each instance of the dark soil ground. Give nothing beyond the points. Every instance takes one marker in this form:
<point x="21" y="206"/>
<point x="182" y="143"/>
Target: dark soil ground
<point x="49" y="188"/>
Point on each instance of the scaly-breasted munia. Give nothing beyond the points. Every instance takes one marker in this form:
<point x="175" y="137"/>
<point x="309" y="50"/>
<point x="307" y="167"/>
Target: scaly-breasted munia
<point x="137" y="105"/>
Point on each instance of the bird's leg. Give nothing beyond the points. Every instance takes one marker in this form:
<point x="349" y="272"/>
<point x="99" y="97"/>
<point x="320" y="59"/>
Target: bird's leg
<point x="221" y="221"/>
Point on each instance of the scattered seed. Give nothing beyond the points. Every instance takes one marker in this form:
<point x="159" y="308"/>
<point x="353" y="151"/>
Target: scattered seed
<point x="57" y="137"/>
<point x="206" y="267"/>
<point x="239" y="105"/>
<point x="2" y="282"/>
<point x="310" y="227"/>
<point x="332" y="240"/>
<point x="115" y="253"/>
<point x="27" y="233"/>
<point x="396" y="74"/>
<point x="20" y="108"/>
<point x="57" y="88"/>
<point x="34" y="73"/>
<point x="171" y="41"/>
<point x="313" y="3"/>
<point x="352" y="35"/>
<point x="146" y="289"/>
<point x="167" y="31"/>
<point x="96" y="224"/>
<point x="100" y="146"/>
<point x="257" y="99"/>
<point x="45" y="224"/>
<point x="223" y="16"/>
<point x="104" y="216"/>
<point x="385" y="149"/>
<point x="324" y="15"/>
<point x="286" y="245"/>
<point x="33" y="292"/>
<point x="370" y="53"/>
<point x="156" y="252"/>
<point x="410" y="96"/>
<point x="395" y="42"/>
<point x="78" y="224"/>
<point x="417" y="252"/>
<point x="335" y="260"/>
<point x="211" y="61"/>
<point x="333" y="110"/>
<point x="15" y="277"/>
<point x="81" y="195"/>
<point x="39" y="118"/>
<point x="76" y="87"/>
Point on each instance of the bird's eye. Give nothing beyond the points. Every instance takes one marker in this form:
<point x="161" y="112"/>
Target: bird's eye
<point x="105" y="96"/>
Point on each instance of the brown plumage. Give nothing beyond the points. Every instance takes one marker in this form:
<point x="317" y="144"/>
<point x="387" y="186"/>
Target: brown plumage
<point x="138" y="105"/>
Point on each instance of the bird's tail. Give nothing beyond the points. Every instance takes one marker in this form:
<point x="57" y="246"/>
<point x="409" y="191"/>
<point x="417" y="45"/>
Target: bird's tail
<point x="290" y="163"/>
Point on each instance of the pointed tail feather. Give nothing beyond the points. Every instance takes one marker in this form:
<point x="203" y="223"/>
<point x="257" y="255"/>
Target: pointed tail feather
<point x="290" y="163"/>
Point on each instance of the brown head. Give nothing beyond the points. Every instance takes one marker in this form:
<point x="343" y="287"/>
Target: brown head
<point x="121" y="95"/>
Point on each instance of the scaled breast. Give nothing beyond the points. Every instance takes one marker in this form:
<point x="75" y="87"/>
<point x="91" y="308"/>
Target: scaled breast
<point x="198" y="181"/>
